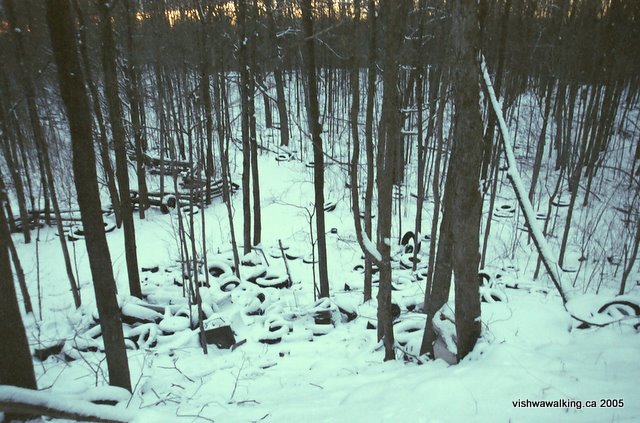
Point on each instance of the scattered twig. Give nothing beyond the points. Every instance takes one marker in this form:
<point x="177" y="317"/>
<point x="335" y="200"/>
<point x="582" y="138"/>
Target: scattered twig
<point x="235" y="383"/>
<point x="175" y="367"/>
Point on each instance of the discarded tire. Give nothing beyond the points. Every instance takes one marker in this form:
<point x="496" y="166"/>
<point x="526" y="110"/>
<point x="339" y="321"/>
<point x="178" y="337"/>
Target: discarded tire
<point x="283" y="157"/>
<point x="504" y="211"/>
<point x="276" y="328"/>
<point x="229" y="282"/>
<point x="329" y="206"/>
<point x="273" y="281"/>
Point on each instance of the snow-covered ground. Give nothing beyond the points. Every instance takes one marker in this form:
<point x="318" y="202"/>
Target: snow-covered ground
<point x="293" y="368"/>
<point x="530" y="348"/>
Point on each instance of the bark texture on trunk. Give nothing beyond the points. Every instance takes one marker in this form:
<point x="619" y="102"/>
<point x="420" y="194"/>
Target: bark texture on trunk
<point x="76" y="104"/>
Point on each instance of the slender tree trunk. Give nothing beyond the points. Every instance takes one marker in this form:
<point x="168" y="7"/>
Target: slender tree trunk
<point x="205" y="89"/>
<point x="137" y="109"/>
<point x="7" y="207"/>
<point x="224" y="162"/>
<point x="492" y="202"/>
<point x="541" y="140"/>
<point x="355" y="159"/>
<point x="61" y="27"/>
<point x="434" y="93"/>
<point x="16" y="367"/>
<point x="392" y="14"/>
<point x="22" y="283"/>
<point x="318" y="155"/>
<point x="41" y="146"/>
<point x="559" y="111"/>
<point x="371" y="92"/>
<point x="97" y="110"/>
<point x="632" y="261"/>
<point x="241" y="10"/>
<point x="277" y="75"/>
<point x="438" y="287"/>
<point x="255" y="174"/>
<point x="117" y="129"/>
<point x="162" y="118"/>
<point x="491" y="128"/>
<point x="11" y="159"/>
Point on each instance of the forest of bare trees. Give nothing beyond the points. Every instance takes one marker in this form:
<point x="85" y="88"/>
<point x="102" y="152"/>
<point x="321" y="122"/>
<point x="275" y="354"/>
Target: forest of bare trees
<point x="135" y="108"/>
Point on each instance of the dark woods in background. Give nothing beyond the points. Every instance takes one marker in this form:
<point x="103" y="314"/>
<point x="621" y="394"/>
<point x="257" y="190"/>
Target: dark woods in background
<point x="583" y="41"/>
<point x="165" y="51"/>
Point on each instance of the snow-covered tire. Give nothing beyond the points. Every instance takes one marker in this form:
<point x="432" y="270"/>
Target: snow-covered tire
<point x="491" y="295"/>
<point x="283" y="157"/>
<point x="329" y="206"/>
<point x="228" y="282"/>
<point x="504" y="211"/>
<point x="620" y="308"/>
<point x="276" y="328"/>
<point x="273" y="281"/>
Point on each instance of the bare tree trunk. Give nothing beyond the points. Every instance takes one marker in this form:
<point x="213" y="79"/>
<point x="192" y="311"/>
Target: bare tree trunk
<point x="22" y="283"/>
<point x="61" y="27"/>
<point x="223" y="139"/>
<point x="466" y="163"/>
<point x="205" y="89"/>
<point x="97" y="110"/>
<point x="355" y="159"/>
<point x="541" y="139"/>
<point x="7" y="206"/>
<point x="255" y="174"/>
<point x="318" y="155"/>
<point x="559" y="111"/>
<point x="460" y="242"/>
<point x="241" y="14"/>
<point x="226" y="191"/>
<point x="277" y="75"/>
<point x="371" y="90"/>
<point x="631" y="262"/>
<point x="491" y="128"/>
<point x="439" y="284"/>
<point x="392" y="14"/>
<point x="574" y="180"/>
<point x="41" y="146"/>
<point x="11" y="159"/>
<point x="492" y="202"/>
<point x="137" y="109"/>
<point x="194" y="254"/>
<point x="162" y="118"/>
<point x="434" y="94"/>
<point x="117" y="129"/>
<point x="16" y="367"/>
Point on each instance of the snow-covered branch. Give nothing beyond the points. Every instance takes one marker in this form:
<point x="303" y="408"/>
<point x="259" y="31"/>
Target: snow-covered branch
<point x="514" y="176"/>
<point x="28" y="401"/>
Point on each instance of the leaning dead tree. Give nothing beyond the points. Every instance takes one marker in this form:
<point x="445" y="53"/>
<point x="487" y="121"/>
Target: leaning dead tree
<point x="553" y="269"/>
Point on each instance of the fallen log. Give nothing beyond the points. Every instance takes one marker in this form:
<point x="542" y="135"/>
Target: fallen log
<point x="155" y="161"/>
<point x="38" y="403"/>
